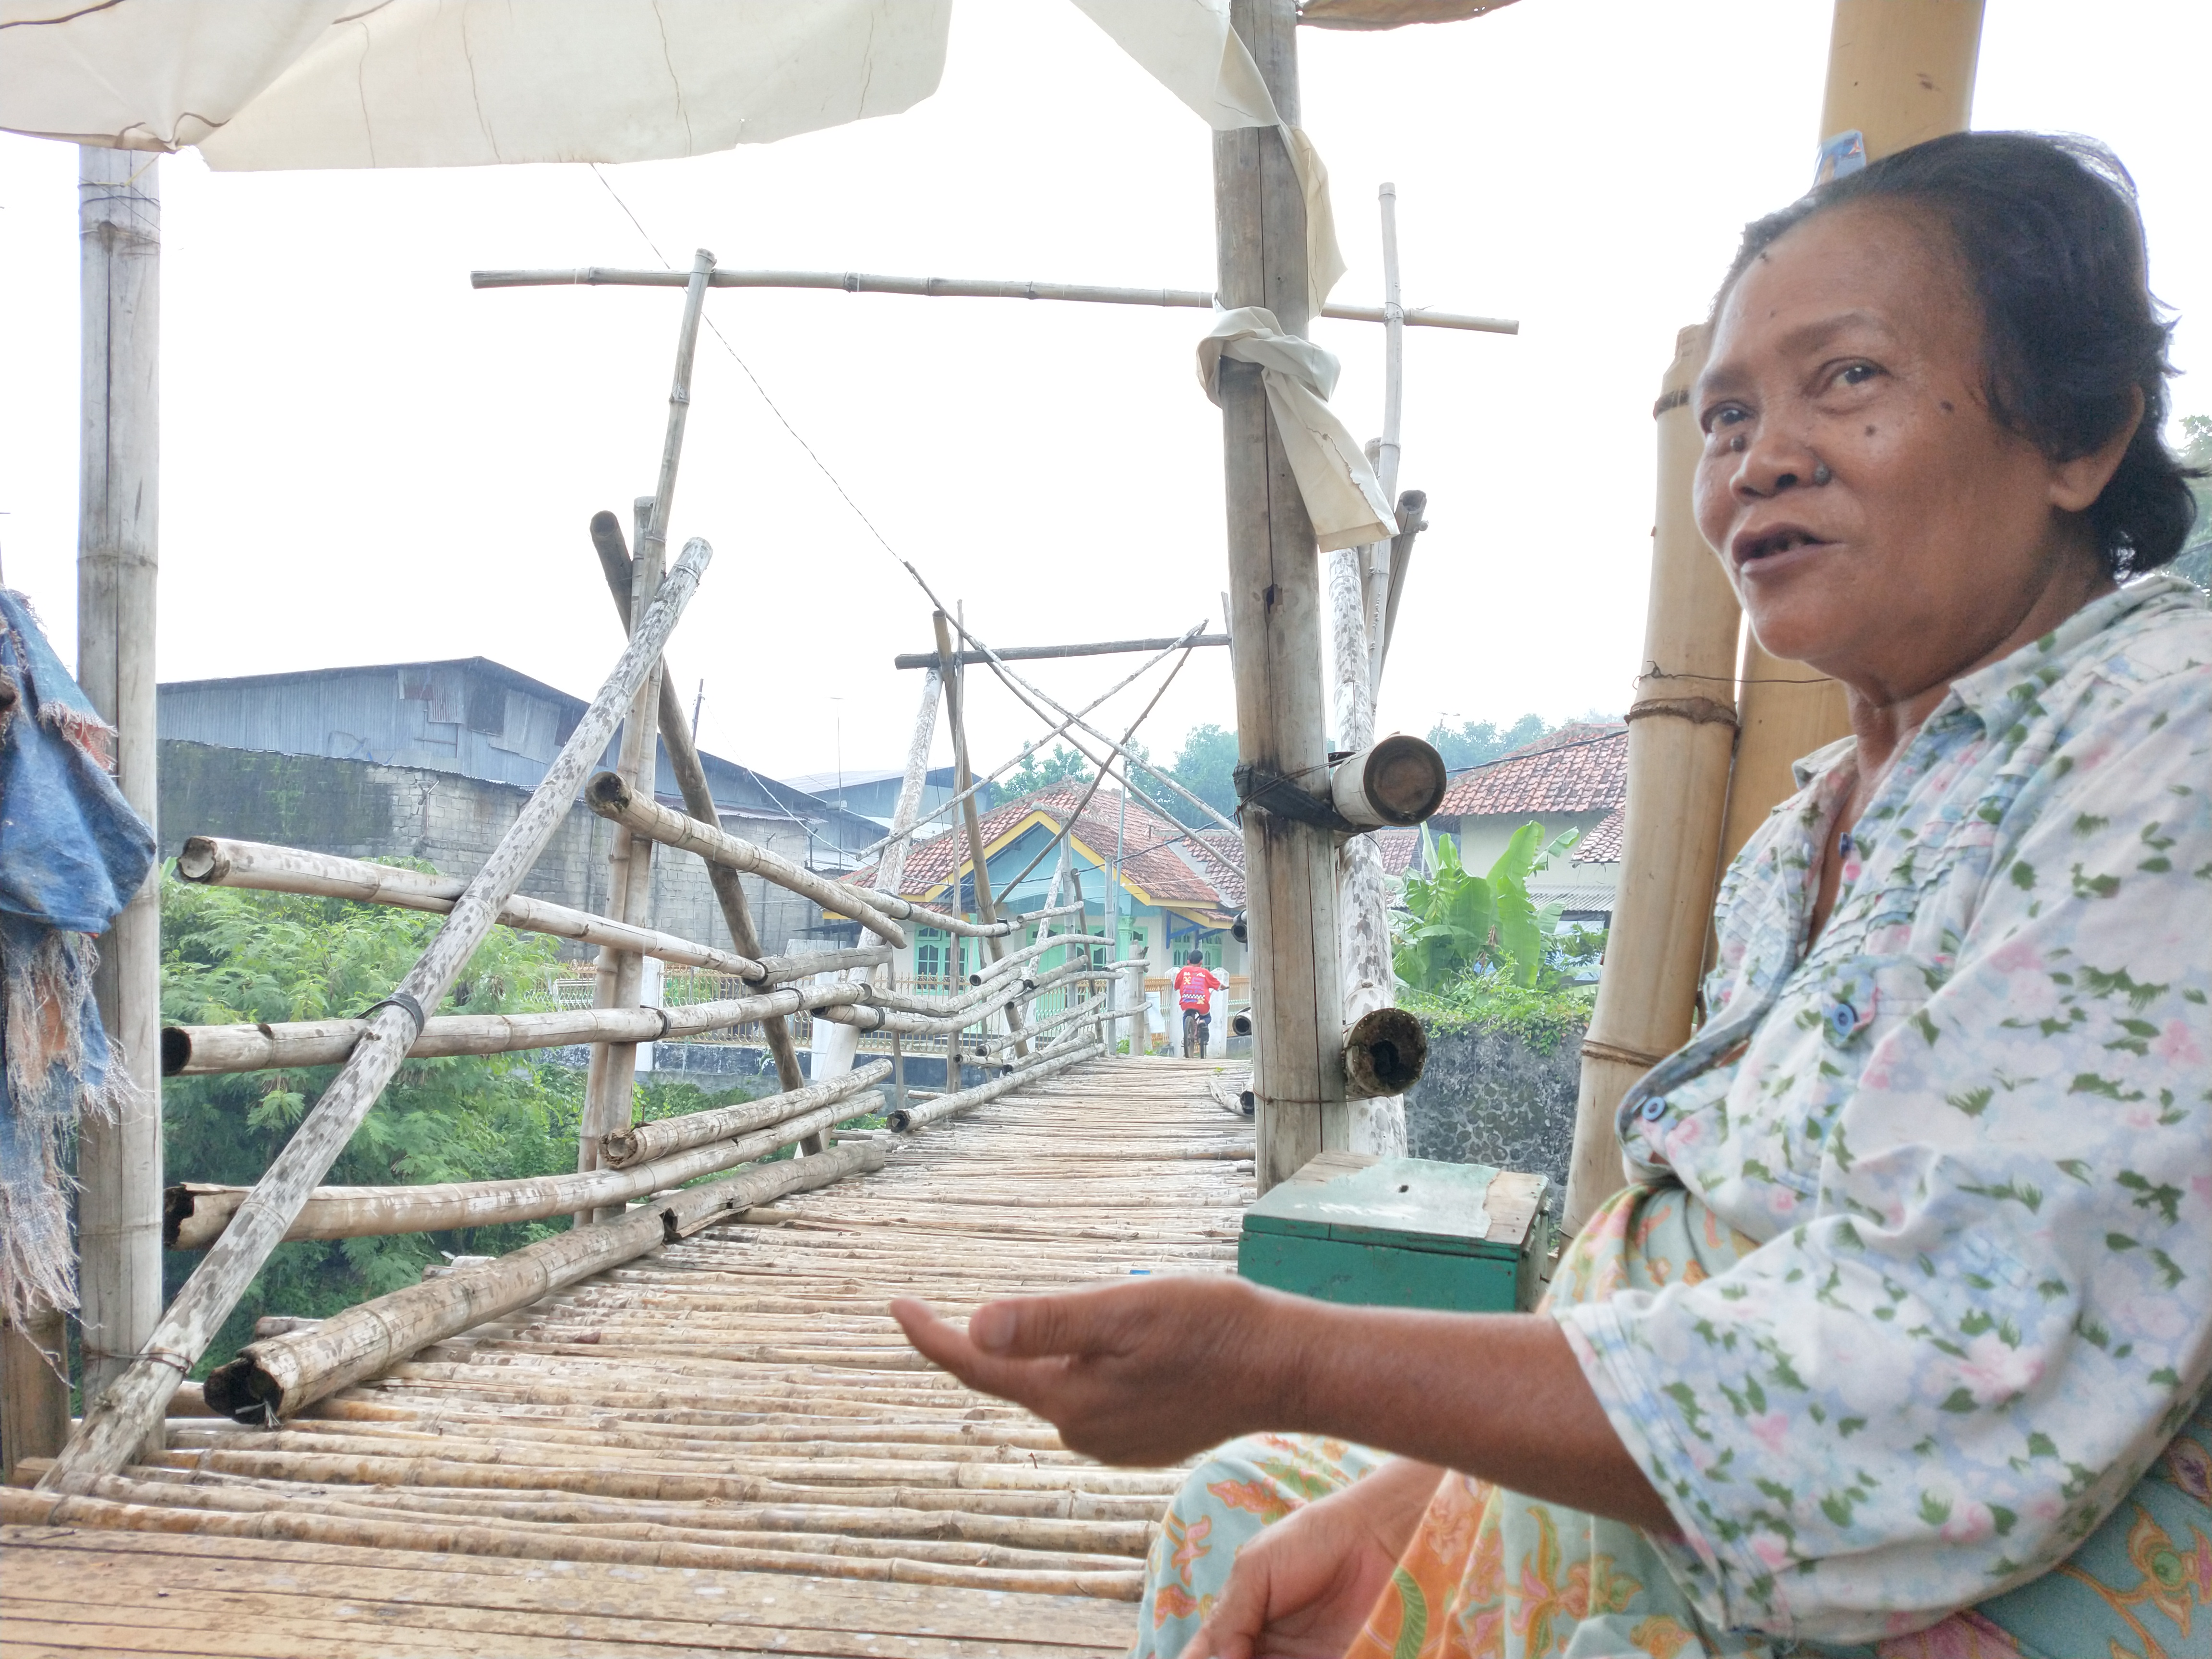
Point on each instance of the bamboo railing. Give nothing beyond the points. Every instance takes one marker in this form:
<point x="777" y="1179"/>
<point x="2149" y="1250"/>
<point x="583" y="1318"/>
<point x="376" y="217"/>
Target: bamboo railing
<point x="238" y="1226"/>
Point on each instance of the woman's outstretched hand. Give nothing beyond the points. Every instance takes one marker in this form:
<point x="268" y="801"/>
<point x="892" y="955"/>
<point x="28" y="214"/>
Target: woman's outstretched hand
<point x="1146" y="1373"/>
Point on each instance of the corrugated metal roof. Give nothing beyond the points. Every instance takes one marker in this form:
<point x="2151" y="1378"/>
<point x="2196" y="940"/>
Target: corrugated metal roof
<point x="468" y="715"/>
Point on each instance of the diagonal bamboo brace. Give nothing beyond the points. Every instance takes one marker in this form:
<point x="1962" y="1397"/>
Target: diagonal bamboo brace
<point x="616" y="801"/>
<point x="119" y="1421"/>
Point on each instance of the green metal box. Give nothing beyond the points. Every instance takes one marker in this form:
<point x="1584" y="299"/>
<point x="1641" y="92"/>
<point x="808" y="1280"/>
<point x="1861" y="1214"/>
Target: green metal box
<point x="1401" y="1232"/>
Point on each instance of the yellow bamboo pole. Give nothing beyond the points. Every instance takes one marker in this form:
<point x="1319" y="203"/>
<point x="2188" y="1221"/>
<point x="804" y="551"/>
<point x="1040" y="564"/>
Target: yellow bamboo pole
<point x="1900" y="72"/>
<point x="1680" y="728"/>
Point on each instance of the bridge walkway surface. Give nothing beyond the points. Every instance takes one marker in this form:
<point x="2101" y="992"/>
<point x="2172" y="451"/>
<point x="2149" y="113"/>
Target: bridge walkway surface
<point x="722" y="1447"/>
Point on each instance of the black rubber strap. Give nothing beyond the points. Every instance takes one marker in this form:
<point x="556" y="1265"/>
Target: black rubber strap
<point x="402" y="1002"/>
<point x="1279" y="796"/>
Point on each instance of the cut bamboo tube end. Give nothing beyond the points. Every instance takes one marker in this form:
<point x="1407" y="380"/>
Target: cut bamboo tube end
<point x="1384" y="1053"/>
<point x="1398" y="782"/>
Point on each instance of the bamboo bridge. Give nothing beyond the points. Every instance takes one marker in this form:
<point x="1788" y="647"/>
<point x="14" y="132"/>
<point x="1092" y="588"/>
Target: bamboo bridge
<point x="721" y="1446"/>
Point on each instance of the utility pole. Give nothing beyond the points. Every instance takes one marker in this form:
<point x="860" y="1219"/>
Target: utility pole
<point x="1275" y="617"/>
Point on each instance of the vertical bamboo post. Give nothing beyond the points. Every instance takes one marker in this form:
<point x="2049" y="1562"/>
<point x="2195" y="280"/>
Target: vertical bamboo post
<point x="120" y="1162"/>
<point x="34" y="1396"/>
<point x="1900" y="72"/>
<point x="964" y="774"/>
<point x="1386" y="450"/>
<point x="1680" y="728"/>
<point x="610" y="1087"/>
<point x="890" y="870"/>
<point x="677" y="737"/>
<point x="1360" y="595"/>
<point x="1275" y="616"/>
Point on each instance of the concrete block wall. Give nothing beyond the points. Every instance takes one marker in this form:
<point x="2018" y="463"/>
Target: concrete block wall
<point x="1493" y="1097"/>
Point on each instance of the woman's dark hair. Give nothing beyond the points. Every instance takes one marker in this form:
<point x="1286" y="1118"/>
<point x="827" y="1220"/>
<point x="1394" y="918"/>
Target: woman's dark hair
<point x="2047" y="230"/>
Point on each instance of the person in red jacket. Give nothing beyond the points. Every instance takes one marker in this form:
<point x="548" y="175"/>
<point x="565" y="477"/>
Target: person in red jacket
<point x="1194" y="986"/>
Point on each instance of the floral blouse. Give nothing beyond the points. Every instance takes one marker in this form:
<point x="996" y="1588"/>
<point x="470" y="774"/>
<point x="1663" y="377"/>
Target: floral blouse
<point x="1973" y="1127"/>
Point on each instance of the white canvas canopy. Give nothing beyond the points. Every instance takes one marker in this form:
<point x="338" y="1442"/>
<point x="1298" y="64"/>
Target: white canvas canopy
<point x="257" y="84"/>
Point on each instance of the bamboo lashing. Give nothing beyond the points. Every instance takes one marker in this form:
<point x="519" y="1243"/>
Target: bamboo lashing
<point x="962" y="287"/>
<point x="115" y="1423"/>
<point x="679" y="740"/>
<point x="197" y="1213"/>
<point x="643" y="1143"/>
<point x="210" y="1050"/>
<point x="616" y="801"/>
<point x="218" y="861"/>
<point x="276" y="1378"/>
<point x="1680" y="731"/>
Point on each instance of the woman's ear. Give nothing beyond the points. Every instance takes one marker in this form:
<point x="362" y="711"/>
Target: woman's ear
<point x="2076" y="484"/>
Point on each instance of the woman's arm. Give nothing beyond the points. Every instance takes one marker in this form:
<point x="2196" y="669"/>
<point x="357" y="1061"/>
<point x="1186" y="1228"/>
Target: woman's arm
<point x="1153" y="1373"/>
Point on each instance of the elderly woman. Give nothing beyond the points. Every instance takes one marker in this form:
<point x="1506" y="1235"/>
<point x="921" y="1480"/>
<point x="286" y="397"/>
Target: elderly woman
<point x="1899" y="1343"/>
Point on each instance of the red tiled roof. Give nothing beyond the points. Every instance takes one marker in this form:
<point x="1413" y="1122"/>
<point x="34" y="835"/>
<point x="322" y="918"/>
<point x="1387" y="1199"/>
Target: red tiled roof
<point x="1580" y="767"/>
<point x="1199" y="869"/>
<point x="1398" y="847"/>
<point x="1602" y="844"/>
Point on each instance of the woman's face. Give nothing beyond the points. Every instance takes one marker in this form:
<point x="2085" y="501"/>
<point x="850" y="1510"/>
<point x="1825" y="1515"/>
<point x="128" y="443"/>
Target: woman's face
<point x="1875" y="518"/>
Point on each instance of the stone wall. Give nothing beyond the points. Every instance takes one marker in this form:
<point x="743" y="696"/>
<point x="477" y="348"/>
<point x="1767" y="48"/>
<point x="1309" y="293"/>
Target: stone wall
<point x="1489" y="1098"/>
<point x="359" y="808"/>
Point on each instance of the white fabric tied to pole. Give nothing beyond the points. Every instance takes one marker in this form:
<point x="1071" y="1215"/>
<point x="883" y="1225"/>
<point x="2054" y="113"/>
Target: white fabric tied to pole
<point x="1341" y="496"/>
<point x="1189" y="48"/>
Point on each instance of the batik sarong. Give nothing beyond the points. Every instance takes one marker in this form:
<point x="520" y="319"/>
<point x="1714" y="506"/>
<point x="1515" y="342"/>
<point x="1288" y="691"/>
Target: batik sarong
<point x="1491" y="1574"/>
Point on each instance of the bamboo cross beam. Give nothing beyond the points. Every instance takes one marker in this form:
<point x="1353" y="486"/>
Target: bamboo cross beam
<point x="612" y="799"/>
<point x="210" y="1050"/>
<point x="644" y="1142"/>
<point x="117" y="1423"/>
<point x="197" y="1215"/>
<point x="1029" y="748"/>
<point x="1040" y="653"/>
<point x="907" y="911"/>
<point x="959" y="287"/>
<point x="1044" y="706"/>
<point x="220" y="862"/>
<point x="283" y="1375"/>
<point x="1043" y="1064"/>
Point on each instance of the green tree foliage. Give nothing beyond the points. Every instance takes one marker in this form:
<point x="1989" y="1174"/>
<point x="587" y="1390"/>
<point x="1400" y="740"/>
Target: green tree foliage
<point x="2195" y="559"/>
<point x="231" y="957"/>
<point x="1042" y="772"/>
<point x="1477" y="741"/>
<point x="1203" y="766"/>
<point x="1459" y="922"/>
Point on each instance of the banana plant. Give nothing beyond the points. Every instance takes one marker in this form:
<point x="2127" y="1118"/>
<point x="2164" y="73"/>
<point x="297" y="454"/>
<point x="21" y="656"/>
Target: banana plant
<point x="1459" y="920"/>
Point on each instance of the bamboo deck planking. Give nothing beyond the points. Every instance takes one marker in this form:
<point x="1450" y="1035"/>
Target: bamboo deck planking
<point x="722" y="1447"/>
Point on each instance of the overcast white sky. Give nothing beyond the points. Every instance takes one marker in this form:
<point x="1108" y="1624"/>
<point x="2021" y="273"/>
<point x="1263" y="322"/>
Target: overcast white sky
<point x="366" y="461"/>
